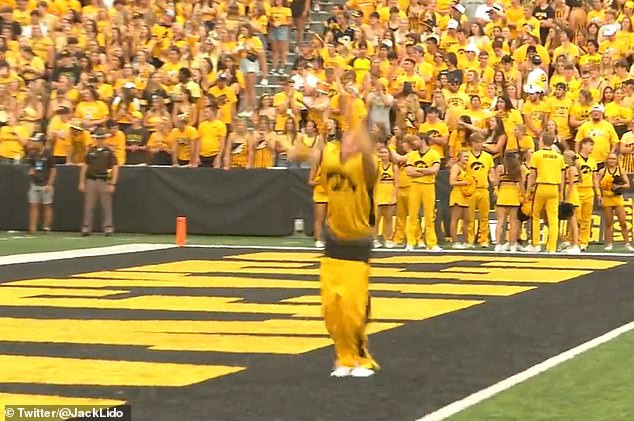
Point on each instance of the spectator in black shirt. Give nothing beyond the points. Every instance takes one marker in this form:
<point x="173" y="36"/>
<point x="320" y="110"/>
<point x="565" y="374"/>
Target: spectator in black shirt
<point x="42" y="173"/>
<point x="6" y="21"/>
<point x="136" y="141"/>
<point x="305" y="55"/>
<point x="66" y="65"/>
<point x="546" y="17"/>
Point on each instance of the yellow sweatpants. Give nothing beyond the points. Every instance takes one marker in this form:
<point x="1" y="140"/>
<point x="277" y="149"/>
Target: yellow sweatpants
<point x="546" y="196"/>
<point x="345" y="306"/>
<point x="402" y="207"/>
<point x="422" y="195"/>
<point x="481" y="202"/>
<point x="584" y="215"/>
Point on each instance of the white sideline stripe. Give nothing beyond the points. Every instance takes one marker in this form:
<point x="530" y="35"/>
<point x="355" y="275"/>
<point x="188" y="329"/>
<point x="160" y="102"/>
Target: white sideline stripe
<point x="72" y="254"/>
<point x="418" y="251"/>
<point x="477" y="397"/>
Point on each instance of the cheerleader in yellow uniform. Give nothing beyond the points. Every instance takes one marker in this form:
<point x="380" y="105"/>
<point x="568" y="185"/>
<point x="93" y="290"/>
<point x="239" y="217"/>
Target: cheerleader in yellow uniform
<point x="262" y="147"/>
<point x="509" y="190"/>
<point x="613" y="181"/>
<point x="385" y="195"/>
<point x="571" y="197"/>
<point x="320" y="199"/>
<point x="237" y="149"/>
<point x="462" y="189"/>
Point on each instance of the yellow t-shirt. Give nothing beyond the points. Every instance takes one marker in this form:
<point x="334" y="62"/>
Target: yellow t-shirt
<point x="62" y="136"/>
<point x="227" y="97"/>
<point x="612" y="109"/>
<point x="423" y="160"/>
<point x="349" y="203"/>
<point x="280" y="16"/>
<point x="559" y="113"/>
<point x="10" y="145"/>
<point x="581" y="112"/>
<point x="604" y="137"/>
<point x="212" y="135"/>
<point x="479" y="168"/>
<point x="92" y="110"/>
<point x="549" y="166"/>
<point x="183" y="139"/>
<point x="437" y="129"/>
<point x="281" y="98"/>
<point x="117" y="144"/>
<point x="535" y="112"/>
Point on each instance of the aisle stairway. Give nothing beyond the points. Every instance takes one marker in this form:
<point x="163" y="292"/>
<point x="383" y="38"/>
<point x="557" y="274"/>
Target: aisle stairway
<point x="316" y="25"/>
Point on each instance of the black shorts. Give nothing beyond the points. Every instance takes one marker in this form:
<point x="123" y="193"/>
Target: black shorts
<point x="59" y="160"/>
<point x="207" y="161"/>
<point x="297" y="8"/>
<point x="162" y="158"/>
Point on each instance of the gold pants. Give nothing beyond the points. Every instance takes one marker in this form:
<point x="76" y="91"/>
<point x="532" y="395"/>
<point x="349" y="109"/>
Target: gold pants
<point x="584" y="215"/>
<point x="481" y="202"/>
<point x="345" y="306"/>
<point x="546" y="196"/>
<point x="402" y="207"/>
<point x="422" y="195"/>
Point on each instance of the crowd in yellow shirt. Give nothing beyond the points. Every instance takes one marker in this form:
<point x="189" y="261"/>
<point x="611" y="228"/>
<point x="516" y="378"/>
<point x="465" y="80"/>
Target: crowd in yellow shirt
<point x="148" y="65"/>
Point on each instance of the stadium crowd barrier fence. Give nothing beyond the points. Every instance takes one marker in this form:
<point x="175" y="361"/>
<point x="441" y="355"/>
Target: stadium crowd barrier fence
<point x="148" y="199"/>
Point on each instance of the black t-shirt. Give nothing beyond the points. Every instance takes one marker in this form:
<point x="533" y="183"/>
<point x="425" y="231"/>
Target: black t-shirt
<point x="138" y="137"/>
<point x="72" y="72"/>
<point x="542" y="14"/>
<point x="99" y="161"/>
<point x="42" y="163"/>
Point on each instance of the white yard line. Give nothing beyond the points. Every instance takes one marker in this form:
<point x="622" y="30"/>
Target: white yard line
<point x="458" y="406"/>
<point x="72" y="254"/>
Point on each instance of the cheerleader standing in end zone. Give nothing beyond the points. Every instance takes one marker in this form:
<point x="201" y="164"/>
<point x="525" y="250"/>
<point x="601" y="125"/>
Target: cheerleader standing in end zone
<point x="462" y="189"/>
<point x="320" y="199"/>
<point x="509" y="189"/>
<point x="348" y="174"/>
<point x="612" y="181"/>
<point x="571" y="197"/>
<point x="385" y="195"/>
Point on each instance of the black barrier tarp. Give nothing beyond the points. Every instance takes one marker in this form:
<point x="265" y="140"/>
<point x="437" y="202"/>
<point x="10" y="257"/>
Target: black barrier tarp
<point x="302" y="198"/>
<point x="237" y="202"/>
<point x="148" y="200"/>
<point x="216" y="202"/>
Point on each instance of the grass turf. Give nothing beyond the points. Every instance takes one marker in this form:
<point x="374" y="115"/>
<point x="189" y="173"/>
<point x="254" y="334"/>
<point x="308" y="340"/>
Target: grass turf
<point x="596" y="385"/>
<point x="15" y="243"/>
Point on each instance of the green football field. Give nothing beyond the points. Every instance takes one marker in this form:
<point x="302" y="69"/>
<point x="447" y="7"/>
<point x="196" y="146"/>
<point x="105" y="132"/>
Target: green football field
<point x="595" y="385"/>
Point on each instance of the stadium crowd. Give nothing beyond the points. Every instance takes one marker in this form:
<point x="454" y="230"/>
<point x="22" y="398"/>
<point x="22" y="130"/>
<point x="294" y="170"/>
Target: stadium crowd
<point x="192" y="83"/>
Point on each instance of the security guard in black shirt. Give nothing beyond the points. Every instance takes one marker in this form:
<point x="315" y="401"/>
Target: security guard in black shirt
<point x="97" y="181"/>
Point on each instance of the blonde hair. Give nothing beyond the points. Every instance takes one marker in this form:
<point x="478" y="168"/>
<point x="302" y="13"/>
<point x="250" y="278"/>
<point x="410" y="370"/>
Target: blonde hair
<point x="569" y="157"/>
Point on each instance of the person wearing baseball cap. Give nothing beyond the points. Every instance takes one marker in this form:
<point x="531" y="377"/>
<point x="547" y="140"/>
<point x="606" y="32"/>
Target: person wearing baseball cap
<point x="59" y="134"/>
<point x="225" y="97"/>
<point x="79" y="139"/>
<point x="601" y="131"/>
<point x="618" y="47"/>
<point x="42" y="173"/>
